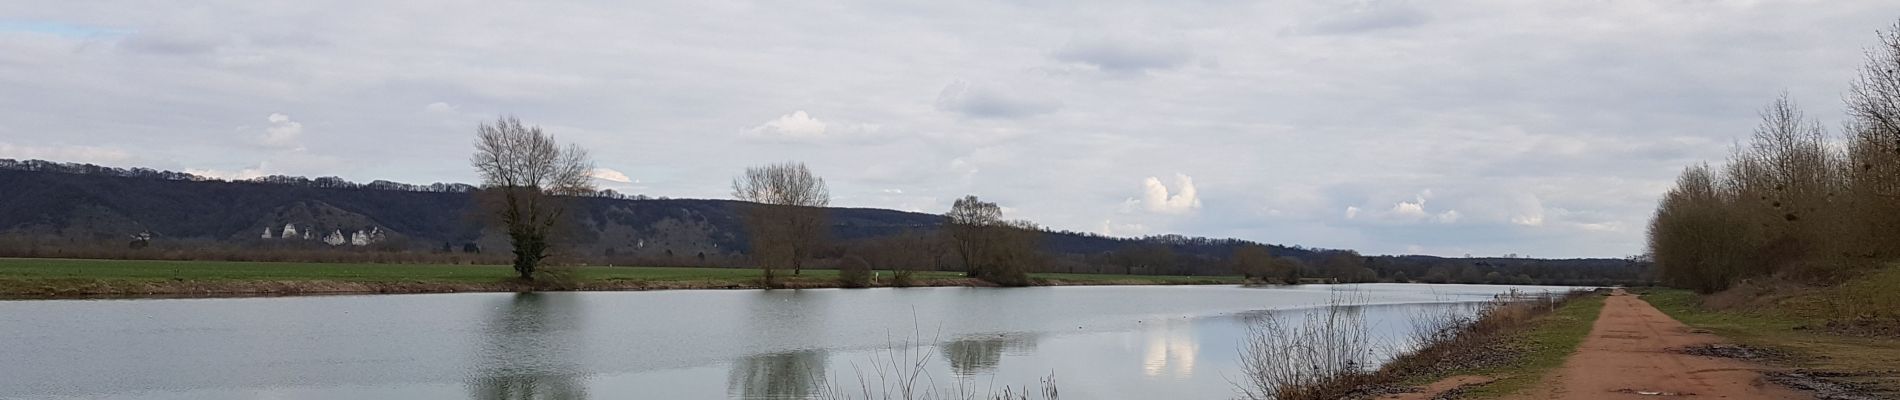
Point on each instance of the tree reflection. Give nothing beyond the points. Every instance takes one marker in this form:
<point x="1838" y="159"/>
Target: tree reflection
<point x="788" y="375"/>
<point x="980" y="355"/>
<point x="528" y="350"/>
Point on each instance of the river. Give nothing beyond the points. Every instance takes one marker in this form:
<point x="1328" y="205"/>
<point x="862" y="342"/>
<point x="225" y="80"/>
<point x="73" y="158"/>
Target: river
<point x="1135" y="342"/>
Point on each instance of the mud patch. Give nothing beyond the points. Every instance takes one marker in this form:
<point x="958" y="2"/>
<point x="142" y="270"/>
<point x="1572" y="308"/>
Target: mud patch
<point x="1736" y="351"/>
<point x="1823" y="385"/>
<point x="1653" y="393"/>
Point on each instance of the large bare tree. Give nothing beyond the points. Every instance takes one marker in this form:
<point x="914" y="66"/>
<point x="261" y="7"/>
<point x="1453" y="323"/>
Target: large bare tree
<point x="525" y="174"/>
<point x="991" y="248"/>
<point x="787" y="223"/>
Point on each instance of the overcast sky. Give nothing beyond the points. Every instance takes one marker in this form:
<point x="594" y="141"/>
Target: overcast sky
<point x="1542" y="128"/>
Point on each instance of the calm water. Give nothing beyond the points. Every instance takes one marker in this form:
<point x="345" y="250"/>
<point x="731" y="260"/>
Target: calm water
<point x="1099" y="342"/>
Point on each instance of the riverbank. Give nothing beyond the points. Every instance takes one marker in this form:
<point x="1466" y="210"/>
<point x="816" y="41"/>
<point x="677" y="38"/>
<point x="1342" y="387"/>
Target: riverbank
<point x="71" y="278"/>
<point x="1505" y="350"/>
<point x="1680" y="346"/>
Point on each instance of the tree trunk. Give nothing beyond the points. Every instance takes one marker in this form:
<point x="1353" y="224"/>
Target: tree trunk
<point x="524" y="265"/>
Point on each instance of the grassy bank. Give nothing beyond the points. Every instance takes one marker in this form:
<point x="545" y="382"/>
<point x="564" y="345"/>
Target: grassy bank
<point x="1538" y="348"/>
<point x="57" y="278"/>
<point x="1503" y="349"/>
<point x="1508" y="349"/>
<point x="1796" y="330"/>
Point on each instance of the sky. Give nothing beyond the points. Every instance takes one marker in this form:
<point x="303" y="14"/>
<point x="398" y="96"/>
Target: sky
<point x="1541" y="128"/>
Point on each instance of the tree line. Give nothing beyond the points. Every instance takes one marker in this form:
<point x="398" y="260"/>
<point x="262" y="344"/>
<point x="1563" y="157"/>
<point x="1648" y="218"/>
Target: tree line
<point x="526" y="176"/>
<point x="1794" y="201"/>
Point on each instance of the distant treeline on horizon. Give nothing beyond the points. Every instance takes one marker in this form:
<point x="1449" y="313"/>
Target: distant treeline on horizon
<point x="190" y="221"/>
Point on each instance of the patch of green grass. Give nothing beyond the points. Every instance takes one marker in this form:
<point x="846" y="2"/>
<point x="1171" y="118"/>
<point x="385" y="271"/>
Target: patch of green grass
<point x="23" y="269"/>
<point x="1550" y="340"/>
<point x="1811" y="346"/>
<point x="1155" y="279"/>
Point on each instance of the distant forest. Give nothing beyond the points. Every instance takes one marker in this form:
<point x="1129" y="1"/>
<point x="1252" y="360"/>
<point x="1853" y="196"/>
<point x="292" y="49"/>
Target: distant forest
<point x="52" y="209"/>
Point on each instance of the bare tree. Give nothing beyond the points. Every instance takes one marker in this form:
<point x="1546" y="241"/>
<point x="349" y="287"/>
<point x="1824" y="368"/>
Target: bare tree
<point x="969" y="217"/>
<point x="526" y="174"/>
<point x="1253" y="261"/>
<point x="788" y="222"/>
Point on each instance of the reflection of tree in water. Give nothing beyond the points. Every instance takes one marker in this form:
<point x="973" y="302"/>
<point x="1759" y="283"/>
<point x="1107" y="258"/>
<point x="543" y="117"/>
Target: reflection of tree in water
<point x="979" y="355"/>
<point x="528" y="350"/>
<point x="788" y="375"/>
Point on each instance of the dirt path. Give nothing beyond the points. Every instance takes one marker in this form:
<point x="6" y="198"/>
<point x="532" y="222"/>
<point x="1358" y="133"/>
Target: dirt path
<point x="1627" y="356"/>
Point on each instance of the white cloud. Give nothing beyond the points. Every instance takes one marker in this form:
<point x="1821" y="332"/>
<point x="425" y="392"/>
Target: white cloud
<point x="1413" y="209"/>
<point x="1352" y="212"/>
<point x="439" y="107"/>
<point x="1529" y="211"/>
<point x="282" y="133"/>
<point x="611" y="175"/>
<point x="1112" y="228"/>
<point x="801" y="126"/>
<point x="1157" y="198"/>
<point x="259" y="171"/>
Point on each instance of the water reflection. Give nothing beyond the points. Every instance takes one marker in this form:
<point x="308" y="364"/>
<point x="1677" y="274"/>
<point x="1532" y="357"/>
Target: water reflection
<point x="775" y="318"/>
<point x="528" y="350"/>
<point x="1171" y="349"/>
<point x="787" y="375"/>
<point x="978" y="355"/>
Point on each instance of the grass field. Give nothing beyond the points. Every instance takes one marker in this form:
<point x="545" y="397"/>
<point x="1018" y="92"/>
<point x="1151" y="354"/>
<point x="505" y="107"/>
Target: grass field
<point x="57" y="277"/>
<point x="1799" y="332"/>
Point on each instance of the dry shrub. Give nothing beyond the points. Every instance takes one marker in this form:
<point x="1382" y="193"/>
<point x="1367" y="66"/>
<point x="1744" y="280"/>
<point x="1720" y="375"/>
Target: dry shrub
<point x="903" y="278"/>
<point x="854" y="274"/>
<point x="1329" y="356"/>
<point x="1326" y="356"/>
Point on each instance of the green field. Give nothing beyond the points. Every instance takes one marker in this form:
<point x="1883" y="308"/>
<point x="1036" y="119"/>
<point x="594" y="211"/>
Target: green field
<point x="58" y="275"/>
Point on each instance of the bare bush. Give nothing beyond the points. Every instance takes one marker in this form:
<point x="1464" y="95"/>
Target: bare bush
<point x="1325" y="356"/>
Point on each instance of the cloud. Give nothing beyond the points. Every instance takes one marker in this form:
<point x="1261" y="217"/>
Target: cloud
<point x="247" y="173"/>
<point x="611" y="175"/>
<point x="1368" y="16"/>
<point x="1157" y="198"/>
<point x="800" y="126"/>
<point x="976" y="101"/>
<point x="1529" y="211"/>
<point x="1112" y="228"/>
<point x="1133" y="54"/>
<point x="1297" y="109"/>
<point x="282" y="133"/>
<point x="81" y="154"/>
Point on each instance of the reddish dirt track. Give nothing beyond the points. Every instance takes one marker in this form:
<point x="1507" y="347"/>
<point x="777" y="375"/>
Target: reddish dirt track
<point x="1627" y="356"/>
